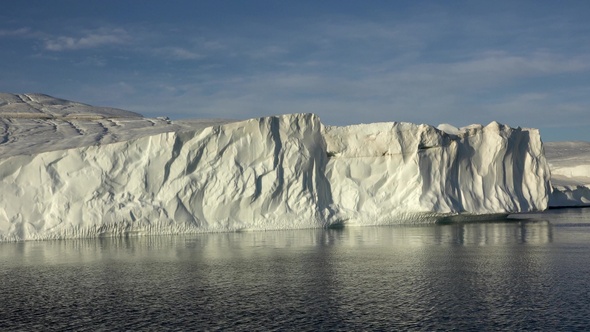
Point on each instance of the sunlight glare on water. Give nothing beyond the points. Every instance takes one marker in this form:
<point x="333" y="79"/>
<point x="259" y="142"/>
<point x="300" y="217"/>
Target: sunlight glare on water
<point x="526" y="273"/>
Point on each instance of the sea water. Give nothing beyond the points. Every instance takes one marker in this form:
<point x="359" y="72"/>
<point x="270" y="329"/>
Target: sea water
<point x="531" y="272"/>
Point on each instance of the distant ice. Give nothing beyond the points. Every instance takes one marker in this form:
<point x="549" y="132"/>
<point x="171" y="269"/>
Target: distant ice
<point x="570" y="173"/>
<point x="35" y="123"/>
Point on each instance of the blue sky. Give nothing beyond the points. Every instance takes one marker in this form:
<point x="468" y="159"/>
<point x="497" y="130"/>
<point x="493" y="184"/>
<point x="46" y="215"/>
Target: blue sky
<point x="523" y="63"/>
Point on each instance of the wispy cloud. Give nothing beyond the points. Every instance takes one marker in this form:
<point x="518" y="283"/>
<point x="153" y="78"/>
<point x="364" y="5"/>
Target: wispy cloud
<point x="267" y="52"/>
<point x="20" y="32"/>
<point x="91" y="39"/>
<point x="177" y="53"/>
<point x="431" y="64"/>
<point x="92" y="61"/>
<point x="504" y="63"/>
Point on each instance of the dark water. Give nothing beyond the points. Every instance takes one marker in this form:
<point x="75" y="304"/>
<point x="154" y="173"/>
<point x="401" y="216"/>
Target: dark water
<point x="526" y="274"/>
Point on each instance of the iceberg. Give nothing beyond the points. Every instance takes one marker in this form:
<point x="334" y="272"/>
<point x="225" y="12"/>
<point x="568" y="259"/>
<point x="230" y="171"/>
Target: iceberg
<point x="71" y="170"/>
<point x="570" y="173"/>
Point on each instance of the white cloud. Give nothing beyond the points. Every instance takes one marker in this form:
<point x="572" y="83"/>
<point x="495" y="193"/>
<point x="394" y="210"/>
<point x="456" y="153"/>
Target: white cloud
<point x="177" y="53"/>
<point x="267" y="52"/>
<point x="92" y="39"/>
<point x="429" y="68"/>
<point x="92" y="61"/>
<point x="502" y="63"/>
<point x="15" y="32"/>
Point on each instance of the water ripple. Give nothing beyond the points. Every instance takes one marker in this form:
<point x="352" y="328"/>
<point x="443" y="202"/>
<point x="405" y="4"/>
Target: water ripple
<point x="488" y="277"/>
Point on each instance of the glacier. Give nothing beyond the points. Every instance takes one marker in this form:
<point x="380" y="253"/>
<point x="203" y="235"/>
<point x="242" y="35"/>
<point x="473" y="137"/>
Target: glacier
<point x="71" y="170"/>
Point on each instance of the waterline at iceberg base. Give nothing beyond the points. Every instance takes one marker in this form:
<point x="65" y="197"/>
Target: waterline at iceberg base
<point x="276" y="172"/>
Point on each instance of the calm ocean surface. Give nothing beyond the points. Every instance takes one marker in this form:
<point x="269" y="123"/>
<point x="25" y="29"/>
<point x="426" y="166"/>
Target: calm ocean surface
<point x="523" y="274"/>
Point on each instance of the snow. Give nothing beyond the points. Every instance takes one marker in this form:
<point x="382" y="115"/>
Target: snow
<point x="69" y="170"/>
<point x="36" y="105"/>
<point x="35" y="123"/>
<point x="570" y="173"/>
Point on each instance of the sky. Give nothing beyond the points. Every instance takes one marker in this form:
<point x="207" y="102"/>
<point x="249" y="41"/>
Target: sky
<point x="521" y="63"/>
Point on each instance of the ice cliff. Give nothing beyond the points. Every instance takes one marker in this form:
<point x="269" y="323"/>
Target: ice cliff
<point x="381" y="173"/>
<point x="68" y="170"/>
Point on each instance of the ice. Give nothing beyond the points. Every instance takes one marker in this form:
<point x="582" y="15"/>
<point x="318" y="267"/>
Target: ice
<point x="117" y="173"/>
<point x="570" y="173"/>
<point x="387" y="172"/>
<point x="34" y="123"/>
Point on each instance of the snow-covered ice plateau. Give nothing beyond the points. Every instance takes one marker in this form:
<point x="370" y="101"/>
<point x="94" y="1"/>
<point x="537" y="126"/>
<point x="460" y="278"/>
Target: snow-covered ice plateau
<point x="73" y="170"/>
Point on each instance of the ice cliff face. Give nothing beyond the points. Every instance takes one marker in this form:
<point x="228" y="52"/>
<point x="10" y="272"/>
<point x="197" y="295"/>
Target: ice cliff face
<point x="270" y="173"/>
<point x="384" y="172"/>
<point x="262" y="174"/>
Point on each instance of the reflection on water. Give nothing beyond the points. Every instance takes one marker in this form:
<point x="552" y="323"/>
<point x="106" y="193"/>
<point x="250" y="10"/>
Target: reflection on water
<point x="248" y="244"/>
<point x="528" y="273"/>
